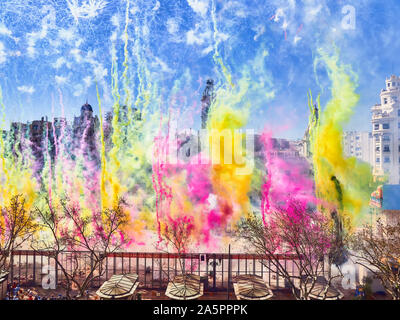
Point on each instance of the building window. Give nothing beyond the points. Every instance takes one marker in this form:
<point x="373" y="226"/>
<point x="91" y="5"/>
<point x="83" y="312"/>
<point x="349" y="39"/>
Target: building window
<point x="385" y="137"/>
<point x="386" y="126"/>
<point x="386" y="149"/>
<point x="384" y="100"/>
<point x="387" y="159"/>
<point x="378" y="160"/>
<point x="357" y="138"/>
<point x="398" y="113"/>
<point x="379" y="148"/>
<point x="394" y="98"/>
<point x="388" y="84"/>
<point x="376" y="125"/>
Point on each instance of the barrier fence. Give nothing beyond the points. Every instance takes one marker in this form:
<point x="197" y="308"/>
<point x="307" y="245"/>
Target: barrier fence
<point x="31" y="268"/>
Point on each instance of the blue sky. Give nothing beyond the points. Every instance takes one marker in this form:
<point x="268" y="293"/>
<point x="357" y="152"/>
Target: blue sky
<point x="60" y="48"/>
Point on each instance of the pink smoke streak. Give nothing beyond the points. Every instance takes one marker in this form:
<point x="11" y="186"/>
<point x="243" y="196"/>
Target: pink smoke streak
<point x="286" y="181"/>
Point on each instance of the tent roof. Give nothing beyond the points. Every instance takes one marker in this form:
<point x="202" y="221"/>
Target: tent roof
<point x="319" y="288"/>
<point x="118" y="286"/>
<point x="184" y="287"/>
<point x="3" y="274"/>
<point x="251" y="287"/>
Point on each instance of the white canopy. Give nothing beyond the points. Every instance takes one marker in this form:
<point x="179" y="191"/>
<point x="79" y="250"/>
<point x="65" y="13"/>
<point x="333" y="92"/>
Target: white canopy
<point x="185" y="287"/>
<point x="119" y="286"/>
<point x="251" y="287"/>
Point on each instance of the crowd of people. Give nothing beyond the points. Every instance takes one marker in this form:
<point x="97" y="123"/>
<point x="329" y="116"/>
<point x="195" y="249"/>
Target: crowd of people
<point x="15" y="292"/>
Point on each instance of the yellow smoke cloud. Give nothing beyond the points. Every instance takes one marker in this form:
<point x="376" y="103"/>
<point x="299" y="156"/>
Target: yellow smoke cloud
<point x="327" y="149"/>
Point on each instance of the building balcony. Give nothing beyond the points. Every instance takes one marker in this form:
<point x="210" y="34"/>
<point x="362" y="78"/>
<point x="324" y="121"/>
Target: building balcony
<point x="382" y="116"/>
<point x="376" y="107"/>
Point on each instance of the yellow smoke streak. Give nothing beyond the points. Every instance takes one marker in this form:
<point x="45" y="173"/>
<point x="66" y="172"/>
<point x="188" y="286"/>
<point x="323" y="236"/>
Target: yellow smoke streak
<point x="216" y="56"/>
<point x="327" y="148"/>
<point x="102" y="155"/>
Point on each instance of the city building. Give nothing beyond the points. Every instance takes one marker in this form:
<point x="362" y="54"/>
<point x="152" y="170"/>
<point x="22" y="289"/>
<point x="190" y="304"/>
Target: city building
<point x="358" y="144"/>
<point x="123" y="119"/>
<point x="285" y="149"/>
<point x="385" y="133"/>
<point x="84" y="133"/>
<point x="206" y="101"/>
<point x="304" y="145"/>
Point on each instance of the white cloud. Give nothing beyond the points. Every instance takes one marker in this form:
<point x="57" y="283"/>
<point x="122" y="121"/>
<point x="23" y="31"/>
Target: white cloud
<point x="115" y="20"/>
<point x="66" y="34"/>
<point x="26" y="89"/>
<point x="278" y="14"/>
<point x="78" y="42"/>
<point x="195" y="36"/>
<point x="47" y="22"/>
<point x="86" y="9"/>
<point x="76" y="53"/>
<point x="192" y="38"/>
<point x="157" y="6"/>
<point x="145" y="30"/>
<point x="55" y="43"/>
<point x="78" y="90"/>
<point x="88" y="81"/>
<point x="311" y="11"/>
<point x="99" y="72"/>
<point x="134" y="9"/>
<point x="15" y="53"/>
<point x="59" y="63"/>
<point x="31" y="51"/>
<point x="61" y="79"/>
<point x="260" y="30"/>
<point x="172" y="26"/>
<point x="207" y="50"/>
<point x="202" y="35"/>
<point x="33" y="37"/>
<point x="3" y="55"/>
<point x="222" y="36"/>
<point x="113" y="36"/>
<point x="296" y="39"/>
<point x="199" y="6"/>
<point x="4" y="30"/>
<point x="163" y="65"/>
<point x="241" y="13"/>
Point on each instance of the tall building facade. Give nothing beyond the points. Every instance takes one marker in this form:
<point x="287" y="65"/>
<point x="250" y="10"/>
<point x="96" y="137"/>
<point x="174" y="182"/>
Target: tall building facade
<point x="385" y="132"/>
<point x="358" y="144"/>
<point x="206" y="101"/>
<point x="85" y="130"/>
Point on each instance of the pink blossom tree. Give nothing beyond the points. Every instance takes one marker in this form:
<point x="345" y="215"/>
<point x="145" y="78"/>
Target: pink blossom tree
<point x="91" y="237"/>
<point x="306" y="236"/>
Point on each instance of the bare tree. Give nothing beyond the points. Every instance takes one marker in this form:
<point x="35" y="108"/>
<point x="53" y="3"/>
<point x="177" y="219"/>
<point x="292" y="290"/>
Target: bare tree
<point x="378" y="250"/>
<point x="16" y="227"/>
<point x="178" y="234"/>
<point x="306" y="237"/>
<point x="82" y="238"/>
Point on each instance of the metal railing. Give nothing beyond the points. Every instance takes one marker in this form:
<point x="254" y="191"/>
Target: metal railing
<point x="31" y="268"/>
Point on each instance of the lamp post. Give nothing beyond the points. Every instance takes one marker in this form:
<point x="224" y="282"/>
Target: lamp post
<point x="229" y="269"/>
